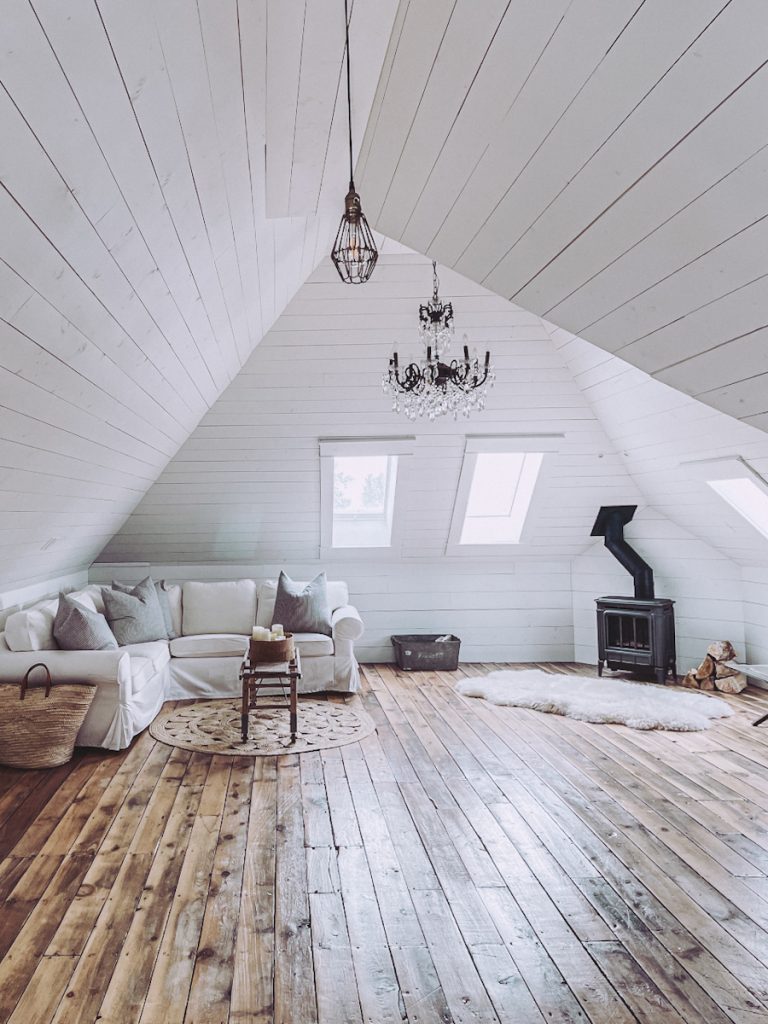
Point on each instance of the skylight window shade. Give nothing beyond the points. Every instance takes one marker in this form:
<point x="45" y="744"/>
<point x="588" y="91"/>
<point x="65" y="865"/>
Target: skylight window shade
<point x="499" y="497"/>
<point x="749" y="500"/>
<point x="363" y="500"/>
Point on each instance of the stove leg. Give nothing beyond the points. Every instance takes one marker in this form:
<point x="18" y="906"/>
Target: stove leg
<point x="661" y="676"/>
<point x="600" y="668"/>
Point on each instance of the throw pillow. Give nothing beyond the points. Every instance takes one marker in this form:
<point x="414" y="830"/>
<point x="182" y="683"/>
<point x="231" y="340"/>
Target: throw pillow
<point x="135" y="617"/>
<point x="77" y="628"/>
<point x="303" y="608"/>
<point x="162" y="597"/>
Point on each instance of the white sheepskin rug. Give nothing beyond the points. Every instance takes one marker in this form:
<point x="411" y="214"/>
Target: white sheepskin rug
<point x="590" y="699"/>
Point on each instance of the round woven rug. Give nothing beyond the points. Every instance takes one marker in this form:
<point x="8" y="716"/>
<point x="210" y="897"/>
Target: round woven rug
<point x="213" y="727"/>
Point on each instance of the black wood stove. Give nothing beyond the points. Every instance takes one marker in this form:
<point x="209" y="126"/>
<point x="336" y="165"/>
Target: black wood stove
<point x="636" y="634"/>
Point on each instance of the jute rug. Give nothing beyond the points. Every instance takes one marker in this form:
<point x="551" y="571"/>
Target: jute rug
<point x="213" y="727"/>
<point x="591" y="699"/>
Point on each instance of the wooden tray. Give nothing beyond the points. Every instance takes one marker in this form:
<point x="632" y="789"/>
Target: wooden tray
<point x="269" y="651"/>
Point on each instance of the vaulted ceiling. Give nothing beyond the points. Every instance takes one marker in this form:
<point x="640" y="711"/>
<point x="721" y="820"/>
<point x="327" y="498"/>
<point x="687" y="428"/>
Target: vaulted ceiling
<point x="601" y="164"/>
<point x="169" y="175"/>
<point x="172" y="171"/>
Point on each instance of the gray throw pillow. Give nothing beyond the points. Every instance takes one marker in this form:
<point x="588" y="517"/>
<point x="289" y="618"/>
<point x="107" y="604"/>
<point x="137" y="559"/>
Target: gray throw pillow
<point x="77" y="628"/>
<point x="135" y="617"/>
<point x="303" y="608"/>
<point x="162" y="597"/>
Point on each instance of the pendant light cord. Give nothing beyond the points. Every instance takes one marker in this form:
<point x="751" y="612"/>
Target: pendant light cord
<point x="349" y="96"/>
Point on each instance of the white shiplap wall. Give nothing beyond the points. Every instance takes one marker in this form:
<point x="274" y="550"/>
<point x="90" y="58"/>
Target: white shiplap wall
<point x="243" y="493"/>
<point x="704" y="553"/>
<point x="704" y="584"/>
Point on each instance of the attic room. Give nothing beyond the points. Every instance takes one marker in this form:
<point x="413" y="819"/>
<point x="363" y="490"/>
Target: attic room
<point x="384" y="512"/>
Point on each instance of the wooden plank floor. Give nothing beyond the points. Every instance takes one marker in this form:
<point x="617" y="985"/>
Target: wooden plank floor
<point x="466" y="863"/>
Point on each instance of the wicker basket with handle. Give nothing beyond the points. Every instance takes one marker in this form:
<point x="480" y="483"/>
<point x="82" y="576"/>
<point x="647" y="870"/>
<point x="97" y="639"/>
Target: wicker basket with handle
<point x="38" y="727"/>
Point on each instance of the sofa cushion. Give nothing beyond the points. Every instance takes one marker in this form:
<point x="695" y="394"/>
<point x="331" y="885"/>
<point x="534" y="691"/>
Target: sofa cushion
<point x="134" y="615"/>
<point x="172" y="592"/>
<point x="303" y="608"/>
<point x="91" y="593"/>
<point x="210" y="645"/>
<point x="313" y="645"/>
<point x="162" y="600"/>
<point x="79" y="628"/>
<point x="32" y="628"/>
<point x="337" y="591"/>
<point x="156" y="650"/>
<point x="218" y="607"/>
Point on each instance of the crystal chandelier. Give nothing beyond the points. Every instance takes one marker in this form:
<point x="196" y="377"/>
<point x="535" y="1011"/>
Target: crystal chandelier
<point x="354" y="252"/>
<point x="435" y="387"/>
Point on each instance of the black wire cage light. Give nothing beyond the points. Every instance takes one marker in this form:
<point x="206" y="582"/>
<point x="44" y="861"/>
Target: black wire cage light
<point x="433" y="386"/>
<point x="354" y="252"/>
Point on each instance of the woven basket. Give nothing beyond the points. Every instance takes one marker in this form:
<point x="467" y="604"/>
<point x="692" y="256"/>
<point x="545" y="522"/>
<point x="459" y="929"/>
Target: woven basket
<point x="38" y="727"/>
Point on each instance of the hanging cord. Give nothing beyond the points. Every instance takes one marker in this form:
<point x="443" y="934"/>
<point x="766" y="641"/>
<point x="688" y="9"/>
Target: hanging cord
<point x="435" y="280"/>
<point x="349" y="96"/>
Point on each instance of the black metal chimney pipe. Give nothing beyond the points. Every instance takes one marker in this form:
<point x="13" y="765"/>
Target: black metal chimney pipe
<point x="610" y="523"/>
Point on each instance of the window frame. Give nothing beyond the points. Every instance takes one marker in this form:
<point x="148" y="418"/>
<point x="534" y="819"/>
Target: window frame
<point x="333" y="447"/>
<point x="504" y="444"/>
<point x="728" y="467"/>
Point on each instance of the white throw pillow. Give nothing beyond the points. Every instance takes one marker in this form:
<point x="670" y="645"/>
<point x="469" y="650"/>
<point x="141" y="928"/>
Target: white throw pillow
<point x="218" y="607"/>
<point x="32" y="628"/>
<point x="337" y="590"/>
<point x="87" y="599"/>
<point x="173" y="593"/>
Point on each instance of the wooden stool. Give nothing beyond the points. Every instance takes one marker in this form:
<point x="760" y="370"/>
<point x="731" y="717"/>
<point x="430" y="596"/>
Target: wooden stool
<point x="263" y="675"/>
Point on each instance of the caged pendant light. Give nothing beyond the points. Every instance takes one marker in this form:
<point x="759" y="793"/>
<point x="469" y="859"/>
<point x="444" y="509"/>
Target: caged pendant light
<point x="354" y="252"/>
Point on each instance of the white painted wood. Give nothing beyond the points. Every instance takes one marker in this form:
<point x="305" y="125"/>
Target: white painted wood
<point x="137" y="266"/>
<point x="603" y="165"/>
<point x="244" y="491"/>
<point x="659" y="432"/>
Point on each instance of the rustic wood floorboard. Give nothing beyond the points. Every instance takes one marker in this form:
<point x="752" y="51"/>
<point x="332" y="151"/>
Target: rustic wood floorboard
<point x="465" y="864"/>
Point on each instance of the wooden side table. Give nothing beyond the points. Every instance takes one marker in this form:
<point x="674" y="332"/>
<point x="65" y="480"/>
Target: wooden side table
<point x="263" y="675"/>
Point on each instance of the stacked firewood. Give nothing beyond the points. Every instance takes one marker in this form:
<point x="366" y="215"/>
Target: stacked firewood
<point x="714" y="673"/>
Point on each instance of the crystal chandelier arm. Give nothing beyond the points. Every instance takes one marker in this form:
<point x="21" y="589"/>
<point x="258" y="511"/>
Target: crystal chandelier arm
<point x="409" y="379"/>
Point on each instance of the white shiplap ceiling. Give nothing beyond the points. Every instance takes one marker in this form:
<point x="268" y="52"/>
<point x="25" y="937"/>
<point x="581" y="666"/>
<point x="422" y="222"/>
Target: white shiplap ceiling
<point x="172" y="171"/>
<point x="139" y="260"/>
<point x="601" y="164"/>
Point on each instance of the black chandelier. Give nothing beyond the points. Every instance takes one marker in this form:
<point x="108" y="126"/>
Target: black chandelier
<point x="434" y="387"/>
<point x="354" y="252"/>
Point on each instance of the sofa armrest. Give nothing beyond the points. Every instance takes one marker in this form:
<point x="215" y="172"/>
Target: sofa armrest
<point x="100" y="668"/>
<point x="346" y="623"/>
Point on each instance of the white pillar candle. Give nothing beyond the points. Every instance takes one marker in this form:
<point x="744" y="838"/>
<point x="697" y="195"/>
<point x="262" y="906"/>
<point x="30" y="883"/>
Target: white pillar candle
<point x="260" y="633"/>
<point x="277" y="629"/>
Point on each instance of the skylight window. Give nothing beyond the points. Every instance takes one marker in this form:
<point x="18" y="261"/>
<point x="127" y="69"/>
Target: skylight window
<point x="499" y="497"/>
<point x="749" y="500"/>
<point x="363" y="500"/>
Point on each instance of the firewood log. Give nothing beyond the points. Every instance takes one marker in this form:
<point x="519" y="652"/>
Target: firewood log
<point x="731" y="684"/>
<point x="721" y="650"/>
<point x="722" y="671"/>
<point x="706" y="669"/>
<point x="689" y="679"/>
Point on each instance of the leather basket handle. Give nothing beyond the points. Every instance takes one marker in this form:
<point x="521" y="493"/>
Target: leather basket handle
<point x="30" y="670"/>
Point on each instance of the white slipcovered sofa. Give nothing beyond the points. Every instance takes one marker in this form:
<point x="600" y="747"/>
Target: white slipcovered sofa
<point x="213" y="623"/>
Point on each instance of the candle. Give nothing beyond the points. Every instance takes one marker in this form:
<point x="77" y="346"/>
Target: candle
<point x="277" y="629"/>
<point x="260" y="633"/>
